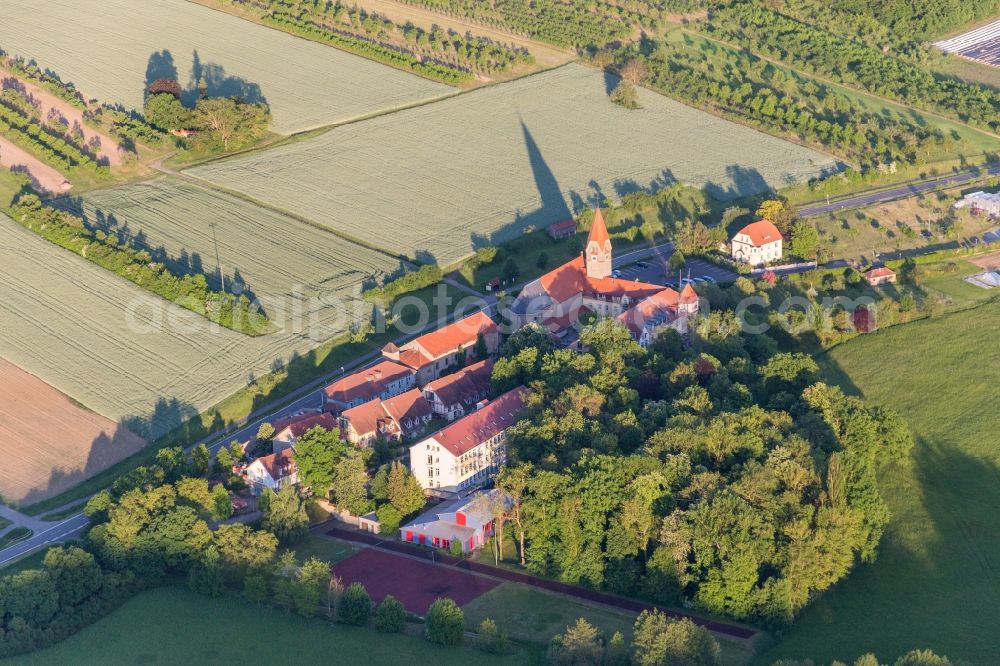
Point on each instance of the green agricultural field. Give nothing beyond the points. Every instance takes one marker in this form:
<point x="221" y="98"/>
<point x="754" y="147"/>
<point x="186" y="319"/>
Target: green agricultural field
<point x="437" y="181"/>
<point x="174" y="626"/>
<point x="298" y="271"/>
<point x="937" y="578"/>
<point x="111" y="49"/>
<point x="120" y="351"/>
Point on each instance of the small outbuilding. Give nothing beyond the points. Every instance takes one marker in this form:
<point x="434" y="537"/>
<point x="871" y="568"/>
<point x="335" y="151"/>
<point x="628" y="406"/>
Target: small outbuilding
<point x="561" y="230"/>
<point x="880" y="275"/>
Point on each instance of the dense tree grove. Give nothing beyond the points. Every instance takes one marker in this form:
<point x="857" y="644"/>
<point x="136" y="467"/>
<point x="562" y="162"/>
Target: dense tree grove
<point x="863" y="64"/>
<point x="117" y="255"/>
<point x="752" y="91"/>
<point x="724" y="475"/>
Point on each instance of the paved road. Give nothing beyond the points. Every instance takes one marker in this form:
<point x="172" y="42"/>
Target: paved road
<point x="54" y="533"/>
<point x="901" y="192"/>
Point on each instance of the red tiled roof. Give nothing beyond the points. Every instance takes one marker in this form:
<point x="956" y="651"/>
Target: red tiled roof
<point x="467" y="384"/>
<point x="598" y="230"/>
<point x="412" y="358"/>
<point x="461" y="333"/>
<point x="564" y="282"/>
<point x="616" y="288"/>
<point x="663" y="303"/>
<point x="570" y="279"/>
<point x="407" y="406"/>
<point x="688" y="294"/>
<point x="302" y="425"/>
<point x="470" y="431"/>
<point x="880" y="272"/>
<point x="559" y="227"/>
<point x="761" y="232"/>
<point x="366" y="418"/>
<point x="279" y="465"/>
<point x="366" y="384"/>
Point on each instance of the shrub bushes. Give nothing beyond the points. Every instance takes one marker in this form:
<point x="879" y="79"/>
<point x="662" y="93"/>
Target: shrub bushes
<point x="445" y="623"/>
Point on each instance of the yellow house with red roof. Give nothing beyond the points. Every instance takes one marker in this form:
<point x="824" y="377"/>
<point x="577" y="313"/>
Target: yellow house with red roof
<point x="558" y="299"/>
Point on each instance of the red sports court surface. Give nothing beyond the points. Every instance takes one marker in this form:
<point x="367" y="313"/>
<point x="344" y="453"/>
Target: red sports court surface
<point x="416" y="584"/>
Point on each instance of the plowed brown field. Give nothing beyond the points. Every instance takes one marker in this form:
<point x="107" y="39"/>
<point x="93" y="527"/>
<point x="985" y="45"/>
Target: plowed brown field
<point x="49" y="443"/>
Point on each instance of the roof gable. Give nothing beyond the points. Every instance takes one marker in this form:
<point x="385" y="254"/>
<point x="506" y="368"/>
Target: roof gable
<point x="473" y="380"/>
<point x="761" y="232"/>
<point x="470" y="431"/>
<point x="462" y="333"/>
<point x="366" y="384"/>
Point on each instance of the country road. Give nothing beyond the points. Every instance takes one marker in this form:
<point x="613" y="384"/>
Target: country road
<point x="901" y="192"/>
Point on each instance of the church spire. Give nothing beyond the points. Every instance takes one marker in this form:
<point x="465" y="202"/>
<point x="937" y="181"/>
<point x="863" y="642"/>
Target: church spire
<point x="598" y="252"/>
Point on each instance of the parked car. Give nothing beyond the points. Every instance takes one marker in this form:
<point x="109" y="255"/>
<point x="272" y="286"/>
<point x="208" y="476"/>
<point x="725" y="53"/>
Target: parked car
<point x="687" y="281"/>
<point x="616" y="274"/>
<point x="642" y="264"/>
<point x="709" y="278"/>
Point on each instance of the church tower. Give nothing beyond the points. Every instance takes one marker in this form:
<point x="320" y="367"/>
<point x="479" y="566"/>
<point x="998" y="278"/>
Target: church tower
<point x="597" y="256"/>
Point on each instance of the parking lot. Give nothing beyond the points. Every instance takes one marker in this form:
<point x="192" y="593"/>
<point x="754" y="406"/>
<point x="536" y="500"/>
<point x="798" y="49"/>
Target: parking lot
<point x="656" y="271"/>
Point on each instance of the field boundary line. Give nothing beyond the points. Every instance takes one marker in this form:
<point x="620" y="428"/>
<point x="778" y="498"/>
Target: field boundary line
<point x="209" y="185"/>
<point x="319" y="130"/>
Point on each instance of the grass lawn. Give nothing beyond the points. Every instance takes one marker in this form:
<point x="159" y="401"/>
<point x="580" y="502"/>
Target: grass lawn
<point x="535" y="616"/>
<point x="330" y="550"/>
<point x="172" y="625"/>
<point x="937" y="578"/>
<point x="62" y="514"/>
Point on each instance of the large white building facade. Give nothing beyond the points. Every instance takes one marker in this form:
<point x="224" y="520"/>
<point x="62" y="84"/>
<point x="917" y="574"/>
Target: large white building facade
<point x="466" y="453"/>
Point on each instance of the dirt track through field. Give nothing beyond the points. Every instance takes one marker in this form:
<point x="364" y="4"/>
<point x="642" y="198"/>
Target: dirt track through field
<point x="47" y="442"/>
<point x="45" y="102"/>
<point x="42" y="176"/>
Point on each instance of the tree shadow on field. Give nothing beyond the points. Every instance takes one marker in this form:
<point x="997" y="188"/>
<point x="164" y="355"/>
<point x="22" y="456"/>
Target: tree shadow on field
<point x="132" y="441"/>
<point x="553" y="205"/>
<point x="206" y="79"/>
<point x="185" y="262"/>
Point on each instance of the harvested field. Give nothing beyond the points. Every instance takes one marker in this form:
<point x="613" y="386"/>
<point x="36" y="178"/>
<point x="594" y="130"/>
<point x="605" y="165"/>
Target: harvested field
<point x="990" y="262"/>
<point x="283" y="262"/>
<point x="46" y="103"/>
<point x="118" y="350"/>
<point x="436" y="181"/>
<point x="43" y="177"/>
<point x="49" y="443"/>
<point x="112" y="49"/>
<point x="416" y="584"/>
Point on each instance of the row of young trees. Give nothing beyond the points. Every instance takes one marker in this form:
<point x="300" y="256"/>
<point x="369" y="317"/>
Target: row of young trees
<point x="106" y="250"/>
<point x="725" y="476"/>
<point x="752" y="91"/>
<point x="560" y="23"/>
<point x="466" y="53"/>
<point x="56" y="146"/>
<point x="814" y="49"/>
